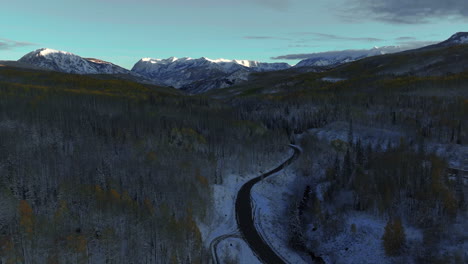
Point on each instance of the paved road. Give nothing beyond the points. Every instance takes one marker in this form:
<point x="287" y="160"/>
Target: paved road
<point x="245" y="218"/>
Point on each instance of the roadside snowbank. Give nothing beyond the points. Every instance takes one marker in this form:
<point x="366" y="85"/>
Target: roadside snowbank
<point x="272" y="197"/>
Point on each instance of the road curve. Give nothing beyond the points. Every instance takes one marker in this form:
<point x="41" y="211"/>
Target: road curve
<point x="245" y="218"/>
<point x="214" y="245"/>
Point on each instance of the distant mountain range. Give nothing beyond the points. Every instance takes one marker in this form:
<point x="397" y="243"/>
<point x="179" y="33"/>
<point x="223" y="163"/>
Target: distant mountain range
<point x="331" y="58"/>
<point x="202" y="74"/>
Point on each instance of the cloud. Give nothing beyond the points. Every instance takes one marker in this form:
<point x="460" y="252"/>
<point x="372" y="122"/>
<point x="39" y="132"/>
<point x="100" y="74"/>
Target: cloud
<point x="413" y="44"/>
<point x="274" y="4"/>
<point x="301" y="46"/>
<point x="407" y="11"/>
<point x="264" y="37"/>
<point x="279" y="5"/>
<point x="405" y="38"/>
<point x="337" y="54"/>
<point x="8" y="44"/>
<point x="357" y="53"/>
<point x="323" y="36"/>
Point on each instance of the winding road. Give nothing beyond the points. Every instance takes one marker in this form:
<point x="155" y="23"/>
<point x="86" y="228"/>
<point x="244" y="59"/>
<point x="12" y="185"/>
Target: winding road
<point x="245" y="217"/>
<point x="244" y="208"/>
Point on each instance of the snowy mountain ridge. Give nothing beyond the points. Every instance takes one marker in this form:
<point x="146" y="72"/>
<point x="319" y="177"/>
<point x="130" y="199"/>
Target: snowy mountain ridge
<point x="456" y="39"/>
<point x="63" y="61"/>
<point x="459" y="38"/>
<point x="203" y="74"/>
<point x="330" y="58"/>
<point x="185" y="71"/>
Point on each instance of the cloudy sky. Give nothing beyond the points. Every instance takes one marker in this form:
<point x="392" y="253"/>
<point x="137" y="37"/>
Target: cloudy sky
<point x="123" y="31"/>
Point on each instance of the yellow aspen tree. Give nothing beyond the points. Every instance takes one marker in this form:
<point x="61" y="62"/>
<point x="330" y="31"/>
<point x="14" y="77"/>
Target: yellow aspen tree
<point x="26" y="217"/>
<point x="78" y="244"/>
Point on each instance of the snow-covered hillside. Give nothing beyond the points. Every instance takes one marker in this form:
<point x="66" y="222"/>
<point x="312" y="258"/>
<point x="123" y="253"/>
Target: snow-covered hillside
<point x="330" y="58"/>
<point x="455" y="39"/>
<point x="202" y="73"/>
<point x="62" y="61"/>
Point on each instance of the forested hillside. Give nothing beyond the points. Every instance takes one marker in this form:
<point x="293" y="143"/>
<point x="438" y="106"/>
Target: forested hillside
<point x="109" y="171"/>
<point x="102" y="170"/>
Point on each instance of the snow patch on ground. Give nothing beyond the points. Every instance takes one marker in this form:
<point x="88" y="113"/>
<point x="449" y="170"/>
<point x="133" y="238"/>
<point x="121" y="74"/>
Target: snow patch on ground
<point x="377" y="137"/>
<point x="363" y="246"/>
<point x="236" y="251"/>
<point x="224" y="218"/>
<point x="272" y="197"/>
<point x="332" y="79"/>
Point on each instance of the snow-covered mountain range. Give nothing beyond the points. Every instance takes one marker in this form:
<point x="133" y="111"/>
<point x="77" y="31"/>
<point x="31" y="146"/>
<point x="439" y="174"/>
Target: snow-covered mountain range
<point x="62" y="61"/>
<point x="202" y="74"/>
<point x="331" y="58"/>
<point x="183" y="72"/>
<point x="186" y="73"/>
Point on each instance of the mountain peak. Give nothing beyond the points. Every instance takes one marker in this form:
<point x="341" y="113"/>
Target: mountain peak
<point x="62" y="61"/>
<point x="212" y="73"/>
<point x="47" y="51"/>
<point x="459" y="38"/>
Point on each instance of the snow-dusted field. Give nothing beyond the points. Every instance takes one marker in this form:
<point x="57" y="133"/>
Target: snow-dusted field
<point x="455" y="154"/>
<point x="224" y="222"/>
<point x="362" y="246"/>
<point x="272" y="197"/>
<point x="235" y="250"/>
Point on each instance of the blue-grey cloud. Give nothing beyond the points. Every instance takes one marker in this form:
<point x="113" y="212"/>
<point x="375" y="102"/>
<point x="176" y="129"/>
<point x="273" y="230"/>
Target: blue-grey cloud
<point x="271" y="4"/>
<point x="324" y="36"/>
<point x="274" y="4"/>
<point x="405" y="38"/>
<point x="416" y="43"/>
<point x="407" y="11"/>
<point x="7" y="44"/>
<point x="264" y="37"/>
<point x="356" y="53"/>
<point x="301" y="46"/>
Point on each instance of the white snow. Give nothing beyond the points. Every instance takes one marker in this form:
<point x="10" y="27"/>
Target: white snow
<point x="46" y="51"/>
<point x="236" y="251"/>
<point x="224" y="218"/>
<point x="455" y="154"/>
<point x="272" y="197"/>
<point x="343" y="56"/>
<point x="332" y="79"/>
<point x="63" y="61"/>
<point x="180" y="72"/>
<point x="363" y="246"/>
<point x="224" y="222"/>
<point x="459" y="38"/>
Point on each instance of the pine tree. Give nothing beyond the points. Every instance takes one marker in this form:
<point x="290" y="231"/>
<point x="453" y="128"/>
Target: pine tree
<point x="359" y="153"/>
<point x="350" y="133"/>
<point x="347" y="168"/>
<point x="394" y="237"/>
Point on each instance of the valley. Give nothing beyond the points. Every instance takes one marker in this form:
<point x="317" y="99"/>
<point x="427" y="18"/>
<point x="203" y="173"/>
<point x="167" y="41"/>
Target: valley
<point x="190" y="160"/>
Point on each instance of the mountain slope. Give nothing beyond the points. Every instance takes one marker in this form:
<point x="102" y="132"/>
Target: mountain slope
<point x="455" y="39"/>
<point x="197" y="75"/>
<point x="435" y="63"/>
<point x="105" y="85"/>
<point x="333" y="58"/>
<point x="62" y="61"/>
